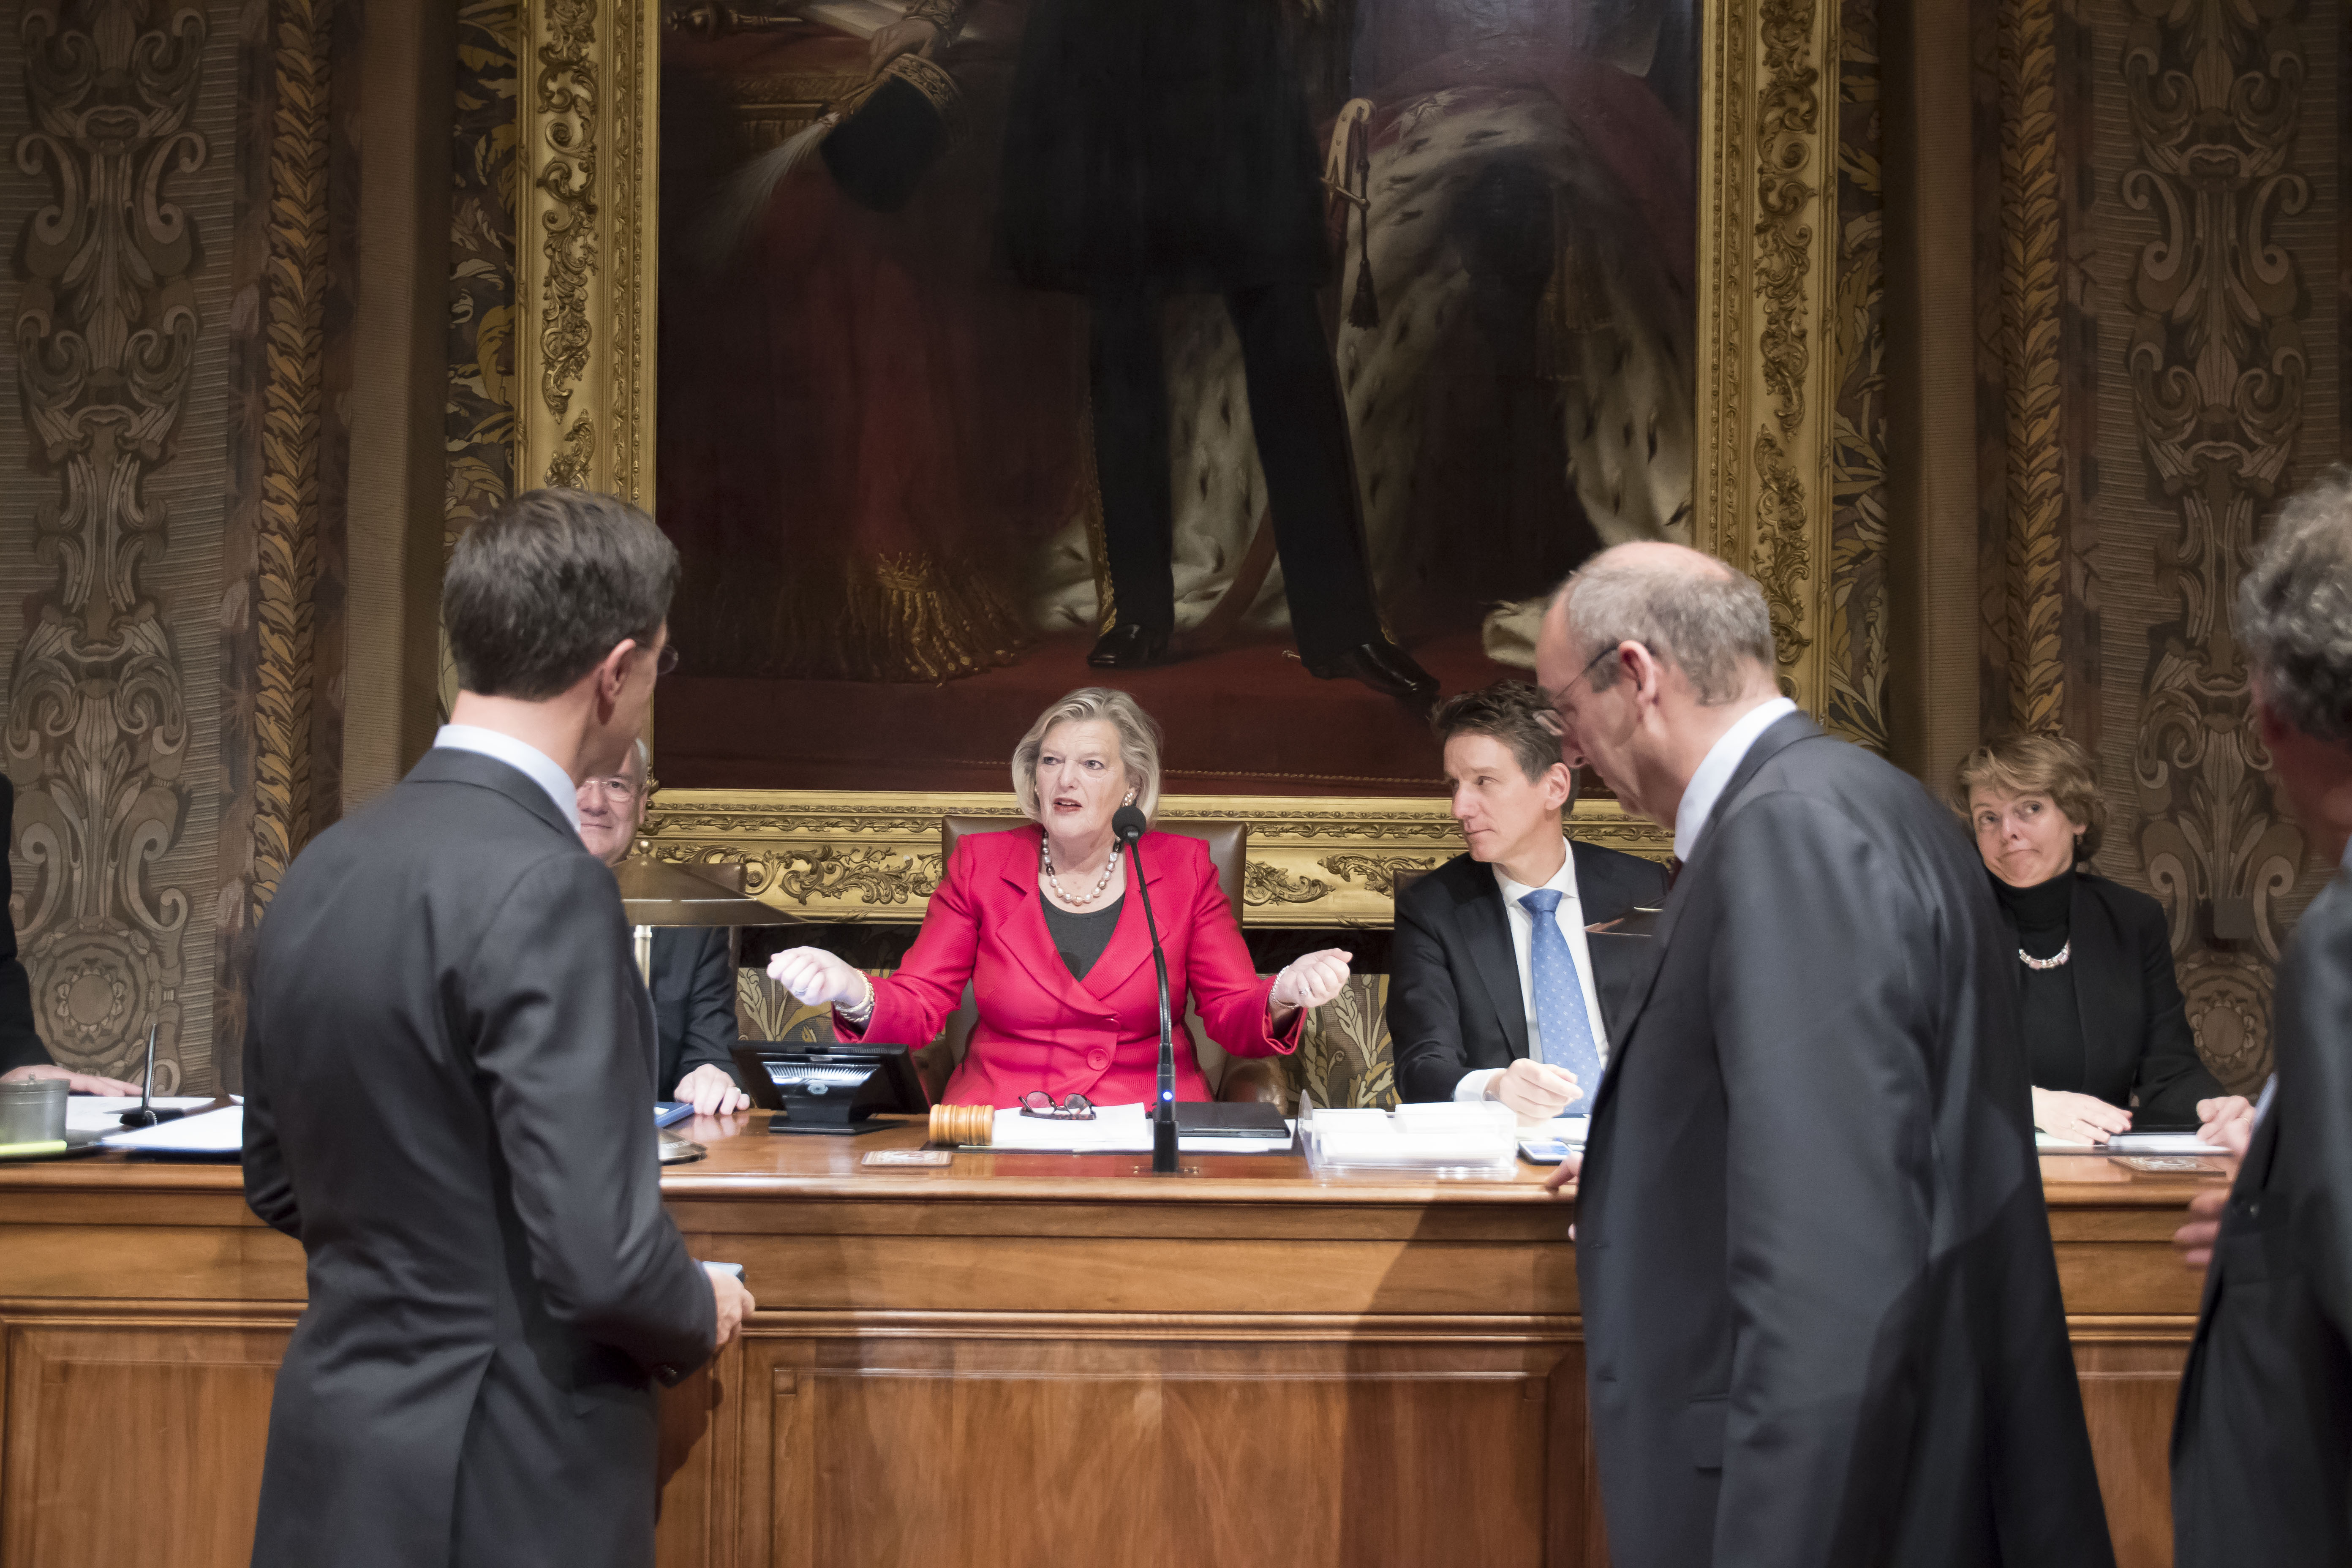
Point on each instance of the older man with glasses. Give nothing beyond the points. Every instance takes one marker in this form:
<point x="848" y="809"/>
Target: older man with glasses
<point x="692" y="975"/>
<point x="1820" y="1308"/>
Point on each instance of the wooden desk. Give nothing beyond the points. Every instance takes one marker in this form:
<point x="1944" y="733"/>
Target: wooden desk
<point x="1020" y="1360"/>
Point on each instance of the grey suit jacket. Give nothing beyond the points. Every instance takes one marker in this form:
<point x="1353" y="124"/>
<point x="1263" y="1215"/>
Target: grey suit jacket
<point x="694" y="1003"/>
<point x="2262" y="1446"/>
<point x="1821" y="1306"/>
<point x="448" y="1073"/>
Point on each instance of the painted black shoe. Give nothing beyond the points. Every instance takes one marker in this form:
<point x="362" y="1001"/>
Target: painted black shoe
<point x="1386" y="668"/>
<point x="1130" y="647"/>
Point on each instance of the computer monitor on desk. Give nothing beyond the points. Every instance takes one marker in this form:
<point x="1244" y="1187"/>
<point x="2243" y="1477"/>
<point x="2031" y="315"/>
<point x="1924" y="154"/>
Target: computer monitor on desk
<point x="835" y="1089"/>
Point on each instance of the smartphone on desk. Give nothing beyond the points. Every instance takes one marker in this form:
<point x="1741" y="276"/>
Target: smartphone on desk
<point x="1544" y="1151"/>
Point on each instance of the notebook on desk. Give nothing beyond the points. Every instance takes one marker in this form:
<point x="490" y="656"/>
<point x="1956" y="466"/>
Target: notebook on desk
<point x="1236" y="1118"/>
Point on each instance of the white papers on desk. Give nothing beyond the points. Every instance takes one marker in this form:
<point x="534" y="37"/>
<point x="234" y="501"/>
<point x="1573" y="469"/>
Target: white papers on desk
<point x="103" y="1113"/>
<point x="1114" y="1129"/>
<point x="1477" y="1140"/>
<point x="1570" y="1130"/>
<point x="215" y="1134"/>
<point x="2130" y="1143"/>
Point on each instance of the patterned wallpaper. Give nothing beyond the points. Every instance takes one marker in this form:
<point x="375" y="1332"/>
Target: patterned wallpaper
<point x="118" y="201"/>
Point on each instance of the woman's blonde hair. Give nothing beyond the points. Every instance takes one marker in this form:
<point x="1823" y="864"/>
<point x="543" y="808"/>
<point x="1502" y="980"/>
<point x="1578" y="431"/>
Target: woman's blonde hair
<point x="2037" y="764"/>
<point x="1138" y="744"/>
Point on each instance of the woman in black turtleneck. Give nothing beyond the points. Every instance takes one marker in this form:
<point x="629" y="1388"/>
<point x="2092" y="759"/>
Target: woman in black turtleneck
<point x="2100" y="1010"/>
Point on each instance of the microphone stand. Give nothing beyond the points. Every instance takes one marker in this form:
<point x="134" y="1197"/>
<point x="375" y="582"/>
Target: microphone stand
<point x="1129" y="825"/>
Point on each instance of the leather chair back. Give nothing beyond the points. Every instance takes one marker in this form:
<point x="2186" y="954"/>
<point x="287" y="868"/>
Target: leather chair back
<point x="1228" y="845"/>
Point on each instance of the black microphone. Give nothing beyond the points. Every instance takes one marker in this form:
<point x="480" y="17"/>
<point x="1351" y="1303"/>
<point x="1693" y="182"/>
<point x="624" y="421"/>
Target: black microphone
<point x="1127" y="825"/>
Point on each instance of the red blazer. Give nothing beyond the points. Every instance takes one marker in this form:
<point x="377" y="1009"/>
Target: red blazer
<point x="1038" y="1028"/>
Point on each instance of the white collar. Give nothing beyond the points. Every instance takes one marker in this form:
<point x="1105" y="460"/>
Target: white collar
<point x="1564" y="880"/>
<point x="1715" y="771"/>
<point x="520" y="755"/>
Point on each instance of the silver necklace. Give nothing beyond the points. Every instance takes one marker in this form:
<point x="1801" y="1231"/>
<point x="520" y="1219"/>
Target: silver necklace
<point x="1054" y="882"/>
<point x="2054" y="961"/>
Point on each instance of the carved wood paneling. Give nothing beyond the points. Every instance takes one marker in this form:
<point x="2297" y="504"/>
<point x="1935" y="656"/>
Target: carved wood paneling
<point x="584" y="251"/>
<point x="876" y="856"/>
<point x="294" y="288"/>
<point x="2032" y="565"/>
<point x="1773" y="370"/>
<point x="105" y="333"/>
<point x="2218" y="366"/>
<point x="1854" y="705"/>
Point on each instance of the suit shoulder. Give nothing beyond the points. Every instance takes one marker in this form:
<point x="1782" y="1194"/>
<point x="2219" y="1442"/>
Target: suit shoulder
<point x="1444" y="887"/>
<point x="1616" y="864"/>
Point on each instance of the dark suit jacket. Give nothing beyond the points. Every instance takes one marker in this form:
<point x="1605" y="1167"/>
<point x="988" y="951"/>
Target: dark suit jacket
<point x="1454" y="1002"/>
<point x="694" y="1003"/>
<point x="20" y="1043"/>
<point x="2136" y="1034"/>
<point x="1819" y="1302"/>
<point x="448" y="1078"/>
<point x="2261" y="1448"/>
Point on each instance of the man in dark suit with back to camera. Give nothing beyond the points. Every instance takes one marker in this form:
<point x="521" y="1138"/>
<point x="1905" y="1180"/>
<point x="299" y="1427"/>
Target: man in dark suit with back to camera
<point x="2262" y="1446"/>
<point x="1820" y="1306"/>
<point x="693" y="978"/>
<point x="449" y="1078"/>
<point x="1496" y="991"/>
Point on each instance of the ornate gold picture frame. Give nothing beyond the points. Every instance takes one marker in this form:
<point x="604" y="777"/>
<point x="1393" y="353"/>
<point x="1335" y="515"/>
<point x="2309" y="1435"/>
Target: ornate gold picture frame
<point x="1783" y="485"/>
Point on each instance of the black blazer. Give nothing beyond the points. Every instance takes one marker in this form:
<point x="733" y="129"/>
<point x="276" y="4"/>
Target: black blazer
<point x="1820" y="1308"/>
<point x="448" y="1074"/>
<point x="2136" y="1034"/>
<point x="20" y="1042"/>
<point x="694" y="1003"/>
<point x="2262" y="1446"/>
<point x="1454" y="1002"/>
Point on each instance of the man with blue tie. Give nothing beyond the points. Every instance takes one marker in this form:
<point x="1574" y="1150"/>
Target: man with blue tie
<point x="1496" y="990"/>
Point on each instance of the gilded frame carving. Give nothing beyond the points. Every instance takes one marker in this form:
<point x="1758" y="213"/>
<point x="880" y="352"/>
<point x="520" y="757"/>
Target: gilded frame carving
<point x="1769" y="373"/>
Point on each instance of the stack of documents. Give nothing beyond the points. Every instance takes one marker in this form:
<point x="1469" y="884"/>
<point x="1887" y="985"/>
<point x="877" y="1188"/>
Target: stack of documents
<point x="2130" y="1143"/>
<point x="1113" y="1130"/>
<point x="215" y="1135"/>
<point x="103" y="1113"/>
<point x="1476" y="1141"/>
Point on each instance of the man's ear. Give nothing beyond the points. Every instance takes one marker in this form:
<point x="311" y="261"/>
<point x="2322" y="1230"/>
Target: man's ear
<point x="1637" y="664"/>
<point x="1559" y="786"/>
<point x="612" y="674"/>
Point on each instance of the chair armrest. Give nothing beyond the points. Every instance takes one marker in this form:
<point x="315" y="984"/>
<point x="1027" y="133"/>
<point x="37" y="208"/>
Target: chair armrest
<point x="1252" y="1078"/>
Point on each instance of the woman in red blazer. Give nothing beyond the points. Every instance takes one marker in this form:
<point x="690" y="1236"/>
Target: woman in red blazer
<point x="1041" y="920"/>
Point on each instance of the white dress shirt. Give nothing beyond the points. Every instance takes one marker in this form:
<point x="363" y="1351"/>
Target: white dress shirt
<point x="1522" y="923"/>
<point x="1715" y="771"/>
<point x="534" y="764"/>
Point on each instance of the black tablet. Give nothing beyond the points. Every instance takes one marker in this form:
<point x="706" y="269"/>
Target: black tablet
<point x="835" y="1089"/>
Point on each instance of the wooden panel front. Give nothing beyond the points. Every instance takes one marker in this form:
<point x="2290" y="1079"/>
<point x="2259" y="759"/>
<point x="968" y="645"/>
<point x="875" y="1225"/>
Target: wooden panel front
<point x="1018" y="1451"/>
<point x="1020" y="1360"/>
<point x="134" y="1442"/>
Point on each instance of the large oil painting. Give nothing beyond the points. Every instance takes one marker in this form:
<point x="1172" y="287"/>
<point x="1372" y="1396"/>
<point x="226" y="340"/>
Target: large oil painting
<point x="1267" y="358"/>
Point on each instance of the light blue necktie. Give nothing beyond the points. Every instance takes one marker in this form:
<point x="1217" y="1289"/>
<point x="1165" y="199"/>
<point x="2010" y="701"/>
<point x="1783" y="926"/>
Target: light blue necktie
<point x="1568" y="1041"/>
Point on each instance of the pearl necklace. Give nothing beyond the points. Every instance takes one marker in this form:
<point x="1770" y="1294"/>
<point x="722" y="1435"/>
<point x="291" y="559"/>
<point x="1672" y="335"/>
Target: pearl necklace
<point x="2054" y="961"/>
<point x="1054" y="882"/>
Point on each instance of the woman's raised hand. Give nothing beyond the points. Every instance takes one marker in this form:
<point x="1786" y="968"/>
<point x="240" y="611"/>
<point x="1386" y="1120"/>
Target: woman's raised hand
<point x="816" y="978"/>
<point x="1311" y="981"/>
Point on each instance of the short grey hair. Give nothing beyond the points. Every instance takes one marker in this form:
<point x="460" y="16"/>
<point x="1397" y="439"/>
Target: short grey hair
<point x="2294" y="611"/>
<point x="642" y="754"/>
<point x="1707" y="624"/>
<point x="1138" y="744"/>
